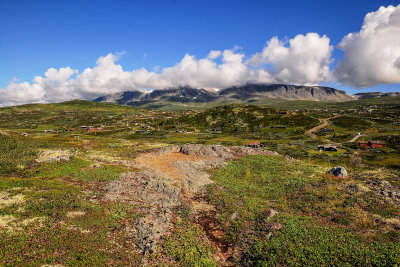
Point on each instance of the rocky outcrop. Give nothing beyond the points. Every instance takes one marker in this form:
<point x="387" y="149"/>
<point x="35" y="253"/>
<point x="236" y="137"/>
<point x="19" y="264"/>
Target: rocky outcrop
<point x="215" y="156"/>
<point x="54" y="155"/>
<point x="223" y="152"/>
<point x="154" y="193"/>
<point x="339" y="172"/>
<point x="157" y="188"/>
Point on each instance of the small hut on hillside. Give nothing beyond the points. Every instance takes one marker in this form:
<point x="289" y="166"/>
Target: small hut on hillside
<point x="255" y="144"/>
<point x="327" y="148"/>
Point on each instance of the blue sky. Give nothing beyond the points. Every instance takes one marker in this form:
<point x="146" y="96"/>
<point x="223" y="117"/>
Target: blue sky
<point x="38" y="35"/>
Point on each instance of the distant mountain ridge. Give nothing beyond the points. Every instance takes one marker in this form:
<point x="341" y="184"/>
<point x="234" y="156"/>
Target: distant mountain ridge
<point x="376" y="94"/>
<point x="246" y="93"/>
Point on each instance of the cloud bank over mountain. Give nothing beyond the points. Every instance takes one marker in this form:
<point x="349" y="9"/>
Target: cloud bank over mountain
<point x="371" y="56"/>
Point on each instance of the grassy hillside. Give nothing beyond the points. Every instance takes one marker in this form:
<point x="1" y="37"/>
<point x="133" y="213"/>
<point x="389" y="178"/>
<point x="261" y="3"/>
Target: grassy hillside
<point x="320" y="221"/>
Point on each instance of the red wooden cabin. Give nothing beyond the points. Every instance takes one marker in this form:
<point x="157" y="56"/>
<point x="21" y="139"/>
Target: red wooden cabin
<point x="363" y="143"/>
<point x="370" y="143"/>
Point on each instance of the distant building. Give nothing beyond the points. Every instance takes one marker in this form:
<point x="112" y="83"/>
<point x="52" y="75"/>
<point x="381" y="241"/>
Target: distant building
<point x="327" y="148"/>
<point x="255" y="144"/>
<point x="24" y="134"/>
<point x="370" y="143"/>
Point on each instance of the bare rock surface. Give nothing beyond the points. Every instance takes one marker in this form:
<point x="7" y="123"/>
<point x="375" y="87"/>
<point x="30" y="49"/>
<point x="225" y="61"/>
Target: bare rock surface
<point x="223" y="152"/>
<point x="153" y="192"/>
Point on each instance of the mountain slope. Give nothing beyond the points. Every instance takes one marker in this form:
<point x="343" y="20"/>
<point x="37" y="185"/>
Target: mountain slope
<point x="246" y="93"/>
<point x="180" y="95"/>
<point x="289" y="92"/>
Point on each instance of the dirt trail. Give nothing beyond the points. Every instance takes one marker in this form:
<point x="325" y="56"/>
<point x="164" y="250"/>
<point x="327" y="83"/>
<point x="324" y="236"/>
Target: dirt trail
<point x="355" y="138"/>
<point x="325" y="122"/>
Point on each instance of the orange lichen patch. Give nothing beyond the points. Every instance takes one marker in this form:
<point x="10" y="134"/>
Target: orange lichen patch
<point x="165" y="162"/>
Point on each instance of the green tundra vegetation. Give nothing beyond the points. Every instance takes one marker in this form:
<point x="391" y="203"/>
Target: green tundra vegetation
<point x="55" y="213"/>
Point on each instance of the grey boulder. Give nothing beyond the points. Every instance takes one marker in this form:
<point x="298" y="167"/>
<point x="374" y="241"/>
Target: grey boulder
<point x="338" y="172"/>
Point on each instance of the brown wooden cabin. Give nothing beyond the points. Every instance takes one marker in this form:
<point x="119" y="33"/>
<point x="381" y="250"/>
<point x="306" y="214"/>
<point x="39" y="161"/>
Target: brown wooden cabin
<point x="370" y="143"/>
<point x="255" y="144"/>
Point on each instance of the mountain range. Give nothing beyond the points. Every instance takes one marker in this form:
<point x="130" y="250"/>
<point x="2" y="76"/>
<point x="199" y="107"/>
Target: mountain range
<point x="249" y="93"/>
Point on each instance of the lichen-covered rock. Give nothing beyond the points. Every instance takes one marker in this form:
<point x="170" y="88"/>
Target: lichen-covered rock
<point x="223" y="152"/>
<point x="156" y="196"/>
<point x="338" y="172"/>
<point x="54" y="155"/>
<point x="216" y="151"/>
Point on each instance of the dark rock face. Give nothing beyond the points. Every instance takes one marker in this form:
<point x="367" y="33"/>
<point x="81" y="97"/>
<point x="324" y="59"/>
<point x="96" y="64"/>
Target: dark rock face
<point x="338" y="172"/>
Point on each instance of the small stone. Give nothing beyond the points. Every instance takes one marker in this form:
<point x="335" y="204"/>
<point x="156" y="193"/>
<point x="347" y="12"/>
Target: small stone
<point x="234" y="215"/>
<point x="275" y="227"/>
<point x="271" y="213"/>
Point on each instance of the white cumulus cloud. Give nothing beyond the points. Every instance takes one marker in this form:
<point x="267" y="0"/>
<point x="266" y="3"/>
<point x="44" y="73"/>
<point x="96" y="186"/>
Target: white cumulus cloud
<point x="372" y="55"/>
<point x="304" y="59"/>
